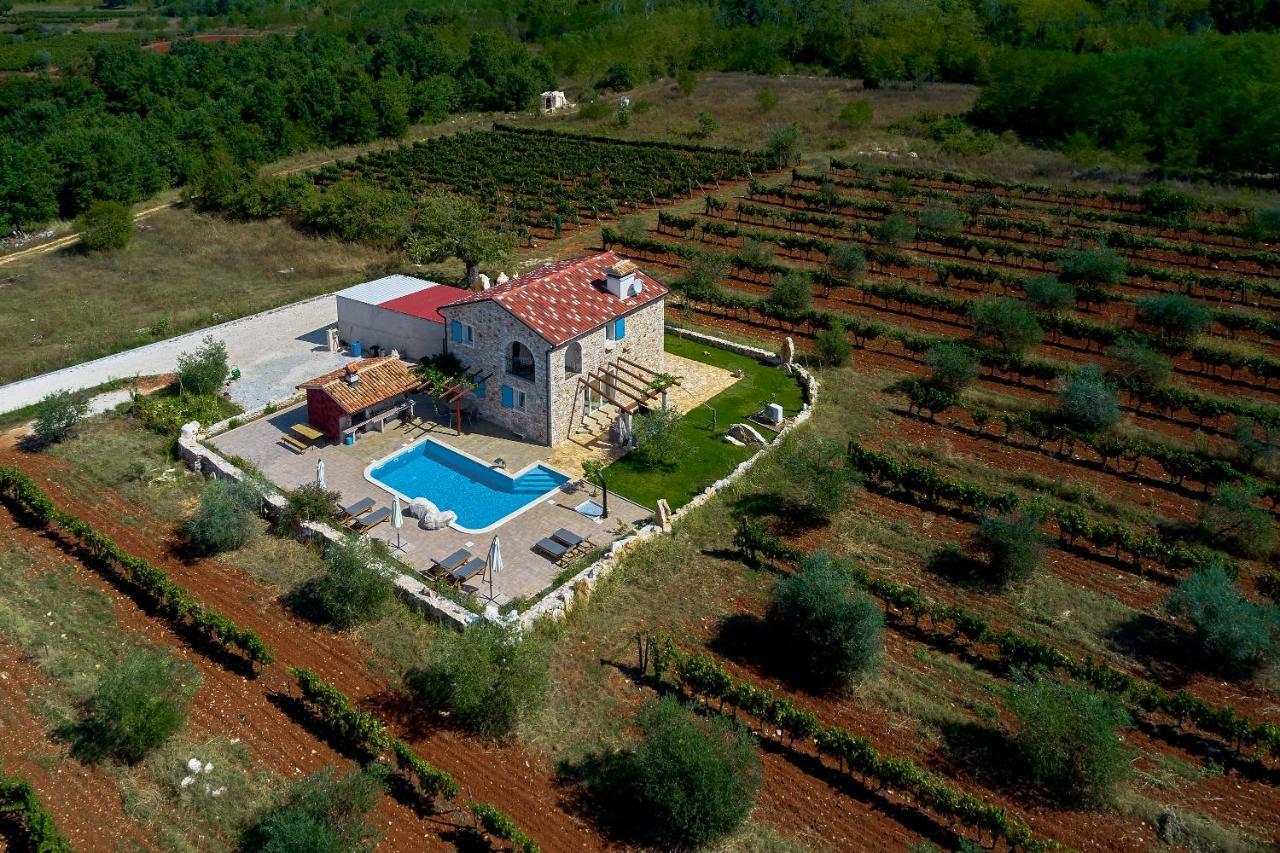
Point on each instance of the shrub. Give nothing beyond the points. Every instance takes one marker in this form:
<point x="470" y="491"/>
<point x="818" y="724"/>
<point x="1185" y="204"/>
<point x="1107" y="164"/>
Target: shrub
<point x="954" y="366"/>
<point x="351" y="591"/>
<point x="1174" y="315"/>
<point x="1233" y="633"/>
<point x="1012" y="544"/>
<point x="686" y="81"/>
<point x="855" y="114"/>
<point x="359" y="211"/>
<point x="792" y="295"/>
<point x="831" y="345"/>
<point x="166" y="412"/>
<point x="1007" y="322"/>
<point x="822" y="623"/>
<point x="940" y="219"/>
<point x="323" y="814"/>
<point x="1086" y="402"/>
<point x="58" y="415"/>
<point x="819" y="478"/>
<point x="693" y="779"/>
<point x="1263" y="224"/>
<point x="1175" y="207"/>
<point x="895" y="229"/>
<point x="105" y="226"/>
<point x="849" y="262"/>
<point x="1139" y="367"/>
<point x="783" y="146"/>
<point x="657" y="436"/>
<point x="205" y="369"/>
<point x="141" y="700"/>
<point x="618" y="77"/>
<point x="1046" y="293"/>
<point x="1233" y="518"/>
<point x="488" y="677"/>
<point x="226" y="519"/>
<point x="1093" y="266"/>
<point x="1066" y="737"/>
<point x="310" y="503"/>
<point x="707" y="125"/>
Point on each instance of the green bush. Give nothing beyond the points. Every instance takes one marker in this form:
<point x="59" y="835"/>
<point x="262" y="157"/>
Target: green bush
<point x="831" y="345"/>
<point x="1233" y="518"/>
<point x="940" y="219"/>
<point x="1012" y="544"/>
<point x="351" y="592"/>
<point x="849" y="262"/>
<point x="826" y="627"/>
<point x="488" y="677"/>
<point x="141" y="700"/>
<point x="818" y="476"/>
<point x="783" y="146"/>
<point x="1174" y="315"/>
<point x="1233" y="633"/>
<point x="324" y="813"/>
<point x="694" y="780"/>
<point x="203" y="370"/>
<point x="1086" y="402"/>
<point x="359" y="211"/>
<point x="1139" y="367"/>
<point x="791" y="295"/>
<point x="105" y="226"/>
<point x="227" y="518"/>
<point x="1046" y="293"/>
<point x="658" y="439"/>
<point x="1174" y="207"/>
<point x="1008" y="323"/>
<point x="1099" y="266"/>
<point x="954" y="367"/>
<point x="57" y="416"/>
<point x="895" y="230"/>
<point x="1066" y="738"/>
<point x="310" y="502"/>
<point x="166" y="412"/>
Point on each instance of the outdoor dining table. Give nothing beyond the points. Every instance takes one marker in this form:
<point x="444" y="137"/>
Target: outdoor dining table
<point x="310" y="433"/>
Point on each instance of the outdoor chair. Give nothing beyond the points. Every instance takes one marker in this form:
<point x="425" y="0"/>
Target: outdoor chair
<point x="365" y="523"/>
<point x="358" y="508"/>
<point x="453" y="561"/>
<point x="571" y="540"/>
<point x="467" y="571"/>
<point x="551" y="549"/>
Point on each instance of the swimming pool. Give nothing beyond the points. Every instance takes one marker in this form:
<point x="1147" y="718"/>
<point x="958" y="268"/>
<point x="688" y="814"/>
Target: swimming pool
<point x="482" y="496"/>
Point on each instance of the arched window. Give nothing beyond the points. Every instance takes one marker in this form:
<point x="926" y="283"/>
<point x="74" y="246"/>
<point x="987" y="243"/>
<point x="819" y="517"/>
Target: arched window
<point x="520" y="361"/>
<point x="573" y="359"/>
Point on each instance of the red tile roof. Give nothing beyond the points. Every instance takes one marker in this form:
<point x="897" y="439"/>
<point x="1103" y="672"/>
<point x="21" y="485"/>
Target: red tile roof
<point x="425" y="303"/>
<point x="561" y="301"/>
<point x="379" y="379"/>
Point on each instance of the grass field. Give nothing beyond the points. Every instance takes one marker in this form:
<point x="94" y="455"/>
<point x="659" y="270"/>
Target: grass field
<point x="706" y="457"/>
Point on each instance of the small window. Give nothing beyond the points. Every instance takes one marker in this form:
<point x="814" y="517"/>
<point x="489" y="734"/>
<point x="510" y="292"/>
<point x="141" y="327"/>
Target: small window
<point x="520" y="401"/>
<point x="617" y="330"/>
<point x="462" y="333"/>
<point x="513" y="398"/>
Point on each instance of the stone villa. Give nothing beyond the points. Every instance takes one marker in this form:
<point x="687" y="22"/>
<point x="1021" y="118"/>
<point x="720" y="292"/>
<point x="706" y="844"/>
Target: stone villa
<point x="561" y="348"/>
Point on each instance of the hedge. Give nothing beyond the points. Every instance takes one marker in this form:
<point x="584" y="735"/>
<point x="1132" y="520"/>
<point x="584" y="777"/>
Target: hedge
<point x="152" y="582"/>
<point x="32" y="825"/>
<point x="702" y="675"/>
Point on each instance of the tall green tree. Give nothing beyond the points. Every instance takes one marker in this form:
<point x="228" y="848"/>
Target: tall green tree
<point x="452" y="226"/>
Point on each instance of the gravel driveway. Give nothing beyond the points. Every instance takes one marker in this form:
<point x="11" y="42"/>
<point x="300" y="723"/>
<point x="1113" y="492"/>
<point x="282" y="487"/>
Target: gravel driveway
<point x="274" y="350"/>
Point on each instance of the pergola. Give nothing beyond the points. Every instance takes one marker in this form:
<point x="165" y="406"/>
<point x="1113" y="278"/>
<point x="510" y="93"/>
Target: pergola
<point x="625" y="378"/>
<point x="454" y="389"/>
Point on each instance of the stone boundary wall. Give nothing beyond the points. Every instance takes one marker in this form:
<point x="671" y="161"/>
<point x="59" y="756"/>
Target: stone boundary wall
<point x="557" y="603"/>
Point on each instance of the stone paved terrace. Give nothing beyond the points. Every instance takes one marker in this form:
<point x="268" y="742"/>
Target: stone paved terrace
<point x="525" y="573"/>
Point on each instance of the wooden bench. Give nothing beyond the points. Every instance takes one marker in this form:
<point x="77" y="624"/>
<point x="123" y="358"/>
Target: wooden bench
<point x="295" y="443"/>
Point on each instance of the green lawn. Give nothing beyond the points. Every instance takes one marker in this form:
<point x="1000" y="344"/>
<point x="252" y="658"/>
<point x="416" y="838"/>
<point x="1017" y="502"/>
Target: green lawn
<point x="707" y="457"/>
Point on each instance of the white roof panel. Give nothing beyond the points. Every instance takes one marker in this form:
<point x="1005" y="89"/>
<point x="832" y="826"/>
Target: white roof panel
<point x="385" y="289"/>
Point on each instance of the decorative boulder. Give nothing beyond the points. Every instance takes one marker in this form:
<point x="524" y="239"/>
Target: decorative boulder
<point x="746" y="434"/>
<point x="421" y="508"/>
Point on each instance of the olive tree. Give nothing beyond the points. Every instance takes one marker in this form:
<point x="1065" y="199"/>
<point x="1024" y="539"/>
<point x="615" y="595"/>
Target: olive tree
<point x="953" y="367"/>
<point x="453" y="226"/>
<point x="792" y="295"/>
<point x="141" y="700"/>
<point x="1013" y="545"/>
<point x="1086" y="402"/>
<point x="1006" y="322"/>
<point x="1048" y="294"/>
<point x="58" y="415"/>
<point x="1139" y="367"/>
<point x="1235" y="519"/>
<point x="1232" y="632"/>
<point x="1174" y="315"/>
<point x="226" y="519"/>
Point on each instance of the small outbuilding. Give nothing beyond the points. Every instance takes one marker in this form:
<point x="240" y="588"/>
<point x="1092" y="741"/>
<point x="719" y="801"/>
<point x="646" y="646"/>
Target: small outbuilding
<point x="397" y="312"/>
<point x="362" y="395"/>
<point x="554" y="102"/>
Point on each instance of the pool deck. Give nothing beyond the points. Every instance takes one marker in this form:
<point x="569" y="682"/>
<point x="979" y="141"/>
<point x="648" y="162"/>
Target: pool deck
<point x="525" y="573"/>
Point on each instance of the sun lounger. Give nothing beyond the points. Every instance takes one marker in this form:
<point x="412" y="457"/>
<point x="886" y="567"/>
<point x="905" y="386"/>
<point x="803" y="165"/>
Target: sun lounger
<point x="467" y="571"/>
<point x="367" y="522"/>
<point x="454" y="560"/>
<point x="551" y="549"/>
<point x="358" y="508"/>
<point x="571" y="540"/>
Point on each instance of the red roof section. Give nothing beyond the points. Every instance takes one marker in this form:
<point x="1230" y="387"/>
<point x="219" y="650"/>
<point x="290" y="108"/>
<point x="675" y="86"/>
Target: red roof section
<point x="561" y="301"/>
<point x="426" y="303"/>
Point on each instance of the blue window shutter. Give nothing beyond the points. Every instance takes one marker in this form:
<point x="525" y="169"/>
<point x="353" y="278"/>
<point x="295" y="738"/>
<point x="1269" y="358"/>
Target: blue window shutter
<point x="508" y="397"/>
<point x="620" y="328"/>
<point x="478" y="390"/>
<point x="455" y="330"/>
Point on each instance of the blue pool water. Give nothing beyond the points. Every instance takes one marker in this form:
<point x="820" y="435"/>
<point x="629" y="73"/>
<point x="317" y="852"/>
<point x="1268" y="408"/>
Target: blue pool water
<point x="480" y="495"/>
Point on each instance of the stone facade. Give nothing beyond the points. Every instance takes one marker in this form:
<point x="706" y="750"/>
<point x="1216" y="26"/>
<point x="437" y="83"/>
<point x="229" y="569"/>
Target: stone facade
<point x="553" y="398"/>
